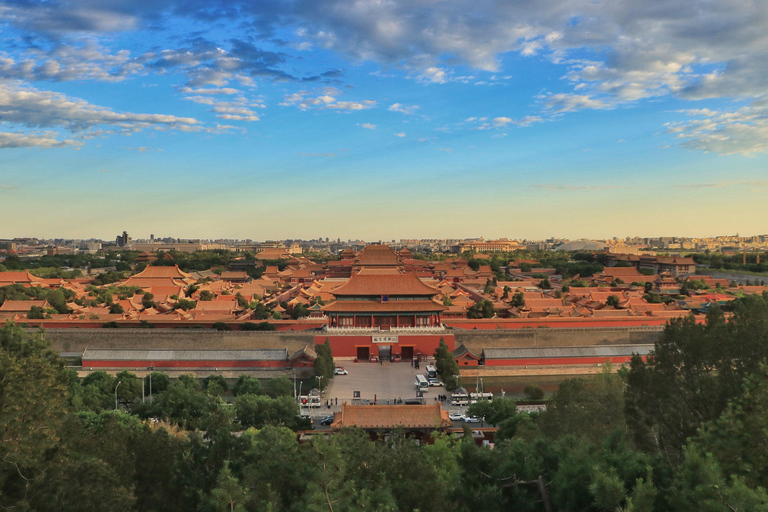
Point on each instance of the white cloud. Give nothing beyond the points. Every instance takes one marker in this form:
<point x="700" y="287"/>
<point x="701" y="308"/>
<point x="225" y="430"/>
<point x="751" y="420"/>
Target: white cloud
<point x="434" y="75"/>
<point x="502" y="122"/>
<point x="565" y="102"/>
<point x="368" y="126"/>
<point x="402" y="134"/>
<point x="237" y="109"/>
<point x="404" y="109"/>
<point x="34" y="139"/>
<point x="743" y="131"/>
<point x="33" y="109"/>
<point x="326" y="101"/>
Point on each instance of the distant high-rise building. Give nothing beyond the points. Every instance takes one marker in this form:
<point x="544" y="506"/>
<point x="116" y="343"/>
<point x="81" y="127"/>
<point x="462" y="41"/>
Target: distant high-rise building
<point x="122" y="240"/>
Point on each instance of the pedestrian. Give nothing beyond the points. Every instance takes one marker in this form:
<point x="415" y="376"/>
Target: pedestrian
<point x="337" y="400"/>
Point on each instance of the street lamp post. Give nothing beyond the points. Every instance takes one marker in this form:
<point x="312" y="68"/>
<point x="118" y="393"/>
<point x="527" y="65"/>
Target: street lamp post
<point x="118" y="385"/>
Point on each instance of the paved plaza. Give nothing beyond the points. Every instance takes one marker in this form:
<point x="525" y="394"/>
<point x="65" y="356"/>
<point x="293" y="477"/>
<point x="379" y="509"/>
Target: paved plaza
<point x="379" y="382"/>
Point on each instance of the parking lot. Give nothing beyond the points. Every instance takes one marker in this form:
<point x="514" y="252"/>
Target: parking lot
<point x="384" y="384"/>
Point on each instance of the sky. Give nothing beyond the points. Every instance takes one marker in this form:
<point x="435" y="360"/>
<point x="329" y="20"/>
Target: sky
<point x="377" y="119"/>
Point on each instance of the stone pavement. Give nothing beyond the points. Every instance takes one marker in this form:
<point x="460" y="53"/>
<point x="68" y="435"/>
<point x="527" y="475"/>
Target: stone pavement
<point x="375" y="381"/>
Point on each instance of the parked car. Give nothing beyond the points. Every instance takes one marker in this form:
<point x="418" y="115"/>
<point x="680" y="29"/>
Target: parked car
<point x="340" y="371"/>
<point x="327" y="420"/>
<point x="456" y="416"/>
<point x="435" y="382"/>
<point x="471" y="419"/>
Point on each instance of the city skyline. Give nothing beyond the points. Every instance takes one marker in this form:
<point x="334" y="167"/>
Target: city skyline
<point x="383" y="120"/>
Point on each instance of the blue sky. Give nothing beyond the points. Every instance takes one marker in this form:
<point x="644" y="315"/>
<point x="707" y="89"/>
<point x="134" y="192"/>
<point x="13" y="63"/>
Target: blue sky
<point x="383" y="119"/>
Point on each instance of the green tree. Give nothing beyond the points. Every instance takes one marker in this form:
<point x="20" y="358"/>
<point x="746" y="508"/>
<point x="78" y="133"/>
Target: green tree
<point x="33" y="387"/>
<point x="246" y="385"/>
<point x="534" y="392"/>
<point x="215" y="385"/>
<point x="324" y="365"/>
<point x="612" y="301"/>
<point x="299" y="311"/>
<point x="694" y="370"/>
<point x="590" y="409"/>
<point x="482" y="309"/>
<point x="160" y="383"/>
<point x="259" y="410"/>
<point x="278" y="386"/>
<point x="206" y="296"/>
<point x="447" y="366"/>
<point x="518" y="300"/>
<point x="36" y="313"/>
<point x="57" y="301"/>
<point x="147" y="300"/>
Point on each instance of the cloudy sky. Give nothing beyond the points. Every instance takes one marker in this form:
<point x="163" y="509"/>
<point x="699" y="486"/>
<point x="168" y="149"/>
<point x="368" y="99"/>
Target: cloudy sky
<point x="383" y="119"/>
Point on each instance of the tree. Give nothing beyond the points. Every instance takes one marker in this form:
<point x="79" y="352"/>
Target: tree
<point x="160" y="383"/>
<point x="33" y="386"/>
<point x="206" y="296"/>
<point x="259" y="410"/>
<point x="692" y="373"/>
<point x="184" y="304"/>
<point x="221" y="326"/>
<point x="146" y="300"/>
<point x="612" y="301"/>
<point x="447" y="366"/>
<point x="129" y="388"/>
<point x="279" y="386"/>
<point x="246" y="385"/>
<point x="482" y="309"/>
<point x="36" y="313"/>
<point x="489" y="288"/>
<point x="544" y="284"/>
<point x="57" y="301"/>
<point x="533" y="392"/>
<point x="229" y="494"/>
<point x="324" y="365"/>
<point x="116" y="309"/>
<point x="299" y="311"/>
<point x="215" y="385"/>
<point x="518" y="300"/>
<point x="590" y="409"/>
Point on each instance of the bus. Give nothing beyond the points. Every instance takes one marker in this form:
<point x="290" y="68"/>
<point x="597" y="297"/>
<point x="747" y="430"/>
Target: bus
<point x="310" y="401"/>
<point x="460" y="397"/>
<point x="474" y="397"/>
<point x="431" y="372"/>
<point x="421" y="384"/>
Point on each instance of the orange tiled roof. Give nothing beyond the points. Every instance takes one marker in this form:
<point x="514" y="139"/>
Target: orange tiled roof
<point x="391" y="416"/>
<point x="7" y="278"/>
<point x="374" y="255"/>
<point x="22" y="306"/>
<point x="162" y="273"/>
<point x="391" y="285"/>
<point x="369" y="306"/>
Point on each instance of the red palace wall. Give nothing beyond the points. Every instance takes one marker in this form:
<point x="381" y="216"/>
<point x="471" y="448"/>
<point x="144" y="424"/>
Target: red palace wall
<point x="555" y="361"/>
<point x="185" y="364"/>
<point x="523" y="323"/>
<point x="346" y="346"/>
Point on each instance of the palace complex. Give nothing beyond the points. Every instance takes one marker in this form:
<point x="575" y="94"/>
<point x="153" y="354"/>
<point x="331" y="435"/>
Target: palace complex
<point x="373" y="304"/>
